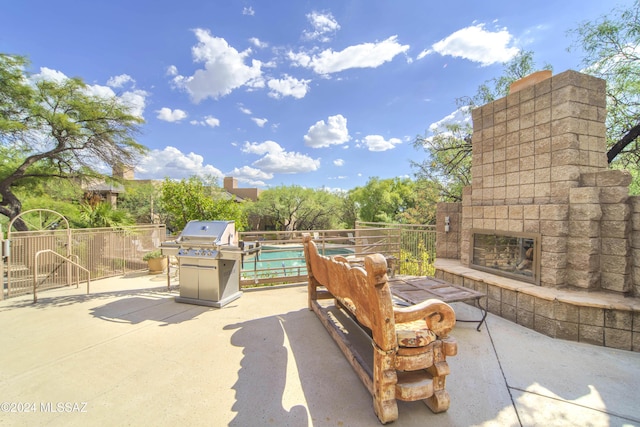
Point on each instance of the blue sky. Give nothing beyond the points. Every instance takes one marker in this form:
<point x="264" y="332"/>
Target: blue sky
<point x="311" y="93"/>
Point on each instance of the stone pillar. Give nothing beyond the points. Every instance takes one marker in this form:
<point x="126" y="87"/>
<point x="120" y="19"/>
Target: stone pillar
<point x="616" y="261"/>
<point x="583" y="246"/>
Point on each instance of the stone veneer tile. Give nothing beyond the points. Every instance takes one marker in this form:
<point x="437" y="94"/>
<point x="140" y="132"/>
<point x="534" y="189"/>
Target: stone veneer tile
<point x="543" y="100"/>
<point x="489" y="212"/>
<point x="527" y="190"/>
<point x="527" y="136"/>
<point x="509" y="297"/>
<point x="636" y="321"/>
<point x="591" y="316"/>
<point x="525" y="302"/>
<point x="542" y="175"/>
<point x="544" y="325"/>
<point x="591" y="334"/>
<point x="527" y="177"/>
<point x="531" y="226"/>
<point x="494" y="307"/>
<point x="508" y="312"/>
<point x="544" y="308"/>
<point x="617" y="338"/>
<point x="502" y="212"/>
<point x="494" y="293"/>
<point x="618" y="319"/>
<point x="567" y="312"/>
<point x="616" y="229"/>
<point x="567" y="331"/>
<point x="525" y="318"/>
<point x="543" y="160"/>
<point x="616" y="212"/>
<point x="635" y="341"/>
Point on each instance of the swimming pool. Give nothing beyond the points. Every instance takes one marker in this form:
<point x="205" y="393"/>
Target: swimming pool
<point x="283" y="260"/>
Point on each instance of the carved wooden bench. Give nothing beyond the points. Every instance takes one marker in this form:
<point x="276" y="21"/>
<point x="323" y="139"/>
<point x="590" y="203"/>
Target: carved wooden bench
<point x="410" y="344"/>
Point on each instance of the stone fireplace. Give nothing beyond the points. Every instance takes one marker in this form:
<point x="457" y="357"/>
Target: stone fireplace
<point x="545" y="212"/>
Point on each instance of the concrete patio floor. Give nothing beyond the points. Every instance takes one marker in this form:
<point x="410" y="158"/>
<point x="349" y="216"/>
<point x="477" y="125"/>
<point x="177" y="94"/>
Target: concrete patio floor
<point x="128" y="354"/>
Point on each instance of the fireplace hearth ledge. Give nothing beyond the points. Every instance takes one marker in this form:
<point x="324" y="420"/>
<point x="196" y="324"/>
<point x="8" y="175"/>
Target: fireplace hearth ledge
<point x="595" y="317"/>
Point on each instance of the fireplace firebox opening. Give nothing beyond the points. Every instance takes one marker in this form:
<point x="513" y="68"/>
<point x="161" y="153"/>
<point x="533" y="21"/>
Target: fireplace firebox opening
<point x="509" y="254"/>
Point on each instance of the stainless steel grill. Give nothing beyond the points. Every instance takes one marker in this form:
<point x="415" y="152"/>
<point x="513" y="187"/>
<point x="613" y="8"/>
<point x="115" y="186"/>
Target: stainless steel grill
<point x="209" y="260"/>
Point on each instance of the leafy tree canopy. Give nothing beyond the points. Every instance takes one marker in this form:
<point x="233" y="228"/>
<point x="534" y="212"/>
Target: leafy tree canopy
<point x="297" y="208"/>
<point x="384" y="200"/>
<point x="104" y="215"/>
<point x="199" y="199"/>
<point x="57" y="129"/>
<point x="143" y="201"/>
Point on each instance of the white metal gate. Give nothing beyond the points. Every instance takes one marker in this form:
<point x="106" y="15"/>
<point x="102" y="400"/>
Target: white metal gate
<point x="48" y="241"/>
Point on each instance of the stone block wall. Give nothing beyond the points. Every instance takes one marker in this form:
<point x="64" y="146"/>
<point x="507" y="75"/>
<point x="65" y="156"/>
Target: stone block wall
<point x="634" y="204"/>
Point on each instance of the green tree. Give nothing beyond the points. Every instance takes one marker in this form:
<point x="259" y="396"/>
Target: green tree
<point x="297" y="208"/>
<point x="384" y="200"/>
<point x="195" y="199"/>
<point x="611" y="48"/>
<point x="57" y="194"/>
<point x="427" y="195"/>
<point x="53" y="129"/>
<point x="104" y="215"/>
<point x="143" y="201"/>
<point x="348" y="210"/>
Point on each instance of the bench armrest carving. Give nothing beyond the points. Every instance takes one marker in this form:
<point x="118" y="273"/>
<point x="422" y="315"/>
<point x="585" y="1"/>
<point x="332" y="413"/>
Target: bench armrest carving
<point x="438" y="315"/>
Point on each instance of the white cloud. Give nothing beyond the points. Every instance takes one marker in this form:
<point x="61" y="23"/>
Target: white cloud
<point x="338" y="162"/>
<point x="365" y="55"/>
<point x="50" y="75"/>
<point x="258" y="43"/>
<point x="259" y="122"/>
<point x="208" y="121"/>
<point x="323" y="134"/>
<point x="250" y="176"/>
<point x="288" y="86"/>
<point x="120" y="81"/>
<point x="224" y="69"/>
<point x="378" y="143"/>
<point x="248" y="11"/>
<point x="287" y="162"/>
<point x="324" y="24"/>
<point x="136" y="100"/>
<point x="172" y="163"/>
<point x="172" y="70"/>
<point x="261" y="148"/>
<point x="276" y="160"/>
<point x="459" y="116"/>
<point x="169" y="115"/>
<point x="476" y="44"/>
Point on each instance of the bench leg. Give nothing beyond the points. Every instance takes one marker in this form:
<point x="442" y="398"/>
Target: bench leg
<point x="384" y="386"/>
<point x="440" y="400"/>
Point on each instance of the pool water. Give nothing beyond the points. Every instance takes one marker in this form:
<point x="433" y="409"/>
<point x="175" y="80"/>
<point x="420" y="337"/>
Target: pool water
<point x="274" y="261"/>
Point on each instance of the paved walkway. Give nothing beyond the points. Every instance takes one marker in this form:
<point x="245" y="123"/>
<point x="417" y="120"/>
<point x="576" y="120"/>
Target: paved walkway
<point x="128" y="354"/>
